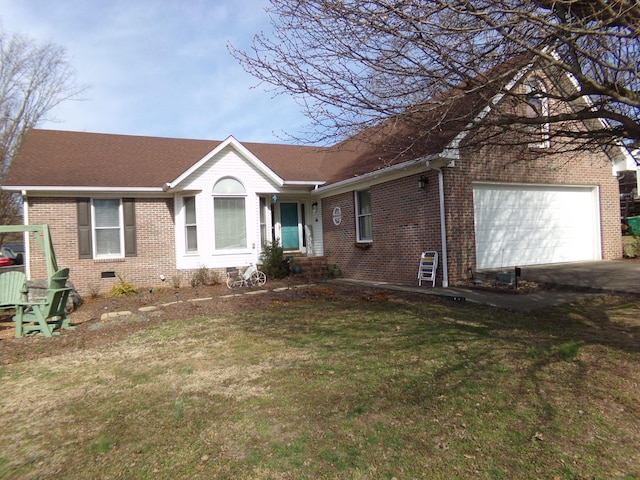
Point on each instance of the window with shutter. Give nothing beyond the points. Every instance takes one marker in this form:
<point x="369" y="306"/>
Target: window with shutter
<point x="106" y="228"/>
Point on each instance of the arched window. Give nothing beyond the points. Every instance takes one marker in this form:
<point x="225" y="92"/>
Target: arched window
<point x="228" y="186"/>
<point x="229" y="214"/>
<point x="537" y="105"/>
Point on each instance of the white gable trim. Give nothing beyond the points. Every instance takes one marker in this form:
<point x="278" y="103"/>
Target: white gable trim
<point x="241" y="149"/>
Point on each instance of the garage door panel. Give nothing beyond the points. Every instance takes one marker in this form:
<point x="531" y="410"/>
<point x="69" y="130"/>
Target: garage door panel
<point x="528" y="225"/>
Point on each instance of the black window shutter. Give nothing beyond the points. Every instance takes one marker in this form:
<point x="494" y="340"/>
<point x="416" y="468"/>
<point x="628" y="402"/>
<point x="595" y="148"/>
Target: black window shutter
<point x="129" y="214"/>
<point x="84" y="228"/>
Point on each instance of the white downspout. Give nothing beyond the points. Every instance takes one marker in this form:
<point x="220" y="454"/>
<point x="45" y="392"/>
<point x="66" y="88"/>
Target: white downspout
<point x="443" y="231"/>
<point x="443" y="226"/>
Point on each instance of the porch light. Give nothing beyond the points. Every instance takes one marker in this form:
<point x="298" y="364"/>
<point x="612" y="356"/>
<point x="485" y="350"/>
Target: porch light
<point x="422" y="182"/>
<point x="314" y="207"/>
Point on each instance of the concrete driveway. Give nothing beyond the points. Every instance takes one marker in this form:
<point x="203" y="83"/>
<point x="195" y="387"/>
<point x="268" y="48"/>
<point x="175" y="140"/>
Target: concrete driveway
<point x="621" y="276"/>
<point x="584" y="279"/>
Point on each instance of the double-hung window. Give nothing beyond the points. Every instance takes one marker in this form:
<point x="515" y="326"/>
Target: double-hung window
<point x="190" y="225"/>
<point x="229" y="215"/>
<point x="106" y="228"/>
<point x="108" y="238"/>
<point x="364" y="229"/>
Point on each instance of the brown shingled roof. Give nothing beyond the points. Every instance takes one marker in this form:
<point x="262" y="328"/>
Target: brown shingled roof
<point x="78" y="159"/>
<point x="291" y="162"/>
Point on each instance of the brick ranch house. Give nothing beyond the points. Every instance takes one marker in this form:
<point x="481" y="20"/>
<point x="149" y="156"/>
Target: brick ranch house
<point x="144" y="208"/>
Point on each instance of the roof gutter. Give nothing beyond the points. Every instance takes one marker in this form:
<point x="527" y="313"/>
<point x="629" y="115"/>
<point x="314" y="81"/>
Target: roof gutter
<point x="372" y="175"/>
<point x="25" y="189"/>
<point x="303" y="183"/>
<point x="57" y="191"/>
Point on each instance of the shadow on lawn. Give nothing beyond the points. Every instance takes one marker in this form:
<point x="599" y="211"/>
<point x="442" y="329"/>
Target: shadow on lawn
<point x="472" y="337"/>
<point x="538" y="372"/>
<point x="609" y="321"/>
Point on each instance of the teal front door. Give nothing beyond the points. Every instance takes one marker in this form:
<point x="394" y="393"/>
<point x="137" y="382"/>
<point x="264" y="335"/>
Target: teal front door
<point x="289" y="226"/>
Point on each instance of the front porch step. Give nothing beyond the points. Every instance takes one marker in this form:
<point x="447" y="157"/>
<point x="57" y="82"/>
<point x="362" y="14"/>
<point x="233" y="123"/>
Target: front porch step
<point x="311" y="268"/>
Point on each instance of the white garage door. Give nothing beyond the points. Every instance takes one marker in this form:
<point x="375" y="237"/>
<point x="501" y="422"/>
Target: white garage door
<point x="530" y="225"/>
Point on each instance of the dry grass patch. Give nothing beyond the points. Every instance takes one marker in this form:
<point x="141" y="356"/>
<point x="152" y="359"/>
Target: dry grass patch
<point x="334" y="384"/>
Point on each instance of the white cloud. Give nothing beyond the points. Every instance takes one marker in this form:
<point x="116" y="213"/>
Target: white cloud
<point x="159" y="68"/>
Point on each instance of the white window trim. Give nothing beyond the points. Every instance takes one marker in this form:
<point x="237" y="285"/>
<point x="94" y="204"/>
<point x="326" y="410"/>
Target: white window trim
<point x="358" y="216"/>
<point x="187" y="225"/>
<point x="244" y="196"/>
<point x="95" y="228"/>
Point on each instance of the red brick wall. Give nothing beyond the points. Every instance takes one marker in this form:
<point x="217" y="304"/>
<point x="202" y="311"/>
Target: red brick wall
<point x="405" y="222"/>
<point x="406" y="219"/>
<point x="155" y="245"/>
<point x="520" y="165"/>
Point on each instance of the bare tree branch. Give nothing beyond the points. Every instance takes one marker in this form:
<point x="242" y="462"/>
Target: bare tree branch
<point x="34" y="78"/>
<point x="354" y="64"/>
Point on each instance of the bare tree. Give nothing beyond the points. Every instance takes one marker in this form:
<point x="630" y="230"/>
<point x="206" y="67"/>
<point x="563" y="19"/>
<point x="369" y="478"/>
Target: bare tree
<point x="34" y="78"/>
<point x="355" y="64"/>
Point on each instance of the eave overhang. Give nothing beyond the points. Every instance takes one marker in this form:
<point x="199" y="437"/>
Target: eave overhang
<point x="379" y="176"/>
<point x="75" y="191"/>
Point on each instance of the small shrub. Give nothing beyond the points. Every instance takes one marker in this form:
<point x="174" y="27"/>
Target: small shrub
<point x="122" y="288"/>
<point x="94" y="290"/>
<point x="176" y="281"/>
<point x="204" y="276"/>
<point x="214" y="277"/>
<point x="272" y="260"/>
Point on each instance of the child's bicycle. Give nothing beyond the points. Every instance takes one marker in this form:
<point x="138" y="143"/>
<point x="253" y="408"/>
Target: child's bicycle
<point x="251" y="277"/>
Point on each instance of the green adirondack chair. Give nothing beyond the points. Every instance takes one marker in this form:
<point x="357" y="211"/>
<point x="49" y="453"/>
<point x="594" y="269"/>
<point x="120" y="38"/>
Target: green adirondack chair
<point x="49" y="314"/>
<point x="11" y="289"/>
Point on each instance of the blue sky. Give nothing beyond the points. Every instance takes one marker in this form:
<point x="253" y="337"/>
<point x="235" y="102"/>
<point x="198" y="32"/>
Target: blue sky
<point x="159" y="67"/>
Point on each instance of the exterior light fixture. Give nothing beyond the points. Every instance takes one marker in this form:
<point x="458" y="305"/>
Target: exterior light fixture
<point x="422" y="182"/>
<point x="314" y="207"/>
